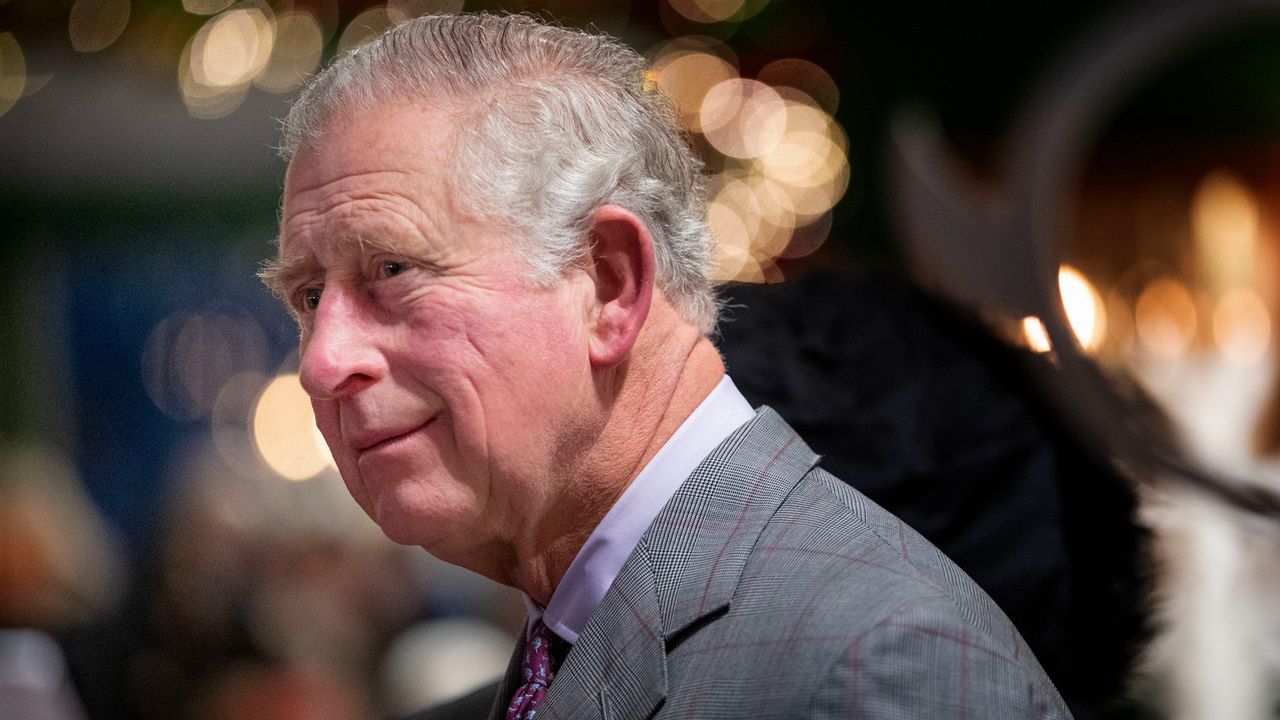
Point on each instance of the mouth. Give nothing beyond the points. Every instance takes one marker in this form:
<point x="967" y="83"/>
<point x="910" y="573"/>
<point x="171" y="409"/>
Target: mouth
<point x="386" y="440"/>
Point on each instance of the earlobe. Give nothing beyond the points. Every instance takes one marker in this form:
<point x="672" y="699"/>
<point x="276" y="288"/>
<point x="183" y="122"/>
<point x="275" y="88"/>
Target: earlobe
<point x="622" y="271"/>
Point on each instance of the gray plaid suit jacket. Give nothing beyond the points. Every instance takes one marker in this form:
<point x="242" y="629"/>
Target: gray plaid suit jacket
<point x="767" y="588"/>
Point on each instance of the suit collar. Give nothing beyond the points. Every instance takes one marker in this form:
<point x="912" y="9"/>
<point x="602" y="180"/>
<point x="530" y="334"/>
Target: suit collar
<point x="686" y="567"/>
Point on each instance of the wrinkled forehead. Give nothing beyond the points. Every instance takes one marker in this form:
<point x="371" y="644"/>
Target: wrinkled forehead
<point x="387" y="148"/>
<point x="383" y="176"/>
<point x="372" y="131"/>
<point x="356" y="137"/>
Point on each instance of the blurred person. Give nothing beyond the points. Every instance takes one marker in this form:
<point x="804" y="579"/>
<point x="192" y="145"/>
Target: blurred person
<point x="59" y="571"/>
<point x="281" y="692"/>
<point x="184" y="621"/>
<point x="255" y="582"/>
<point x="441" y="659"/>
<point x="933" y="417"/>
<point x="493" y="237"/>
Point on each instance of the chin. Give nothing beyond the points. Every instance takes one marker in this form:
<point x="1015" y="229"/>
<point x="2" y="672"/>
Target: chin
<point x="399" y="532"/>
<point x="415" y="523"/>
<point x="402" y="527"/>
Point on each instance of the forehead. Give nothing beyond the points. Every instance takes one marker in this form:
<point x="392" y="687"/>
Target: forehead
<point x="351" y="132"/>
<point x="413" y="140"/>
<point x="381" y="171"/>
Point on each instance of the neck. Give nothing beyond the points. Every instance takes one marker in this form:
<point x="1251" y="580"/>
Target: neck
<point x="642" y="402"/>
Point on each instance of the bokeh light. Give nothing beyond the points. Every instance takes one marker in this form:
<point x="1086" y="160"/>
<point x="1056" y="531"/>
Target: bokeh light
<point x="811" y="167"/>
<point x="776" y="221"/>
<point x="687" y="76"/>
<point x="1119" y="341"/>
<point x="780" y="158"/>
<point x="807" y="238"/>
<point x="232" y="48"/>
<point x="733" y="259"/>
<point x="742" y="118"/>
<point x="224" y="57"/>
<point x="1034" y="335"/>
<point x="1225" y="217"/>
<point x="284" y="430"/>
<point x="733" y="238"/>
<point x="231" y="423"/>
<point x="716" y="11"/>
<point x="441" y="659"/>
<point x="13" y="72"/>
<point x="400" y="10"/>
<point x="364" y="27"/>
<point x="1242" y="326"/>
<point x="295" y="54"/>
<point x="1165" y="318"/>
<point x="207" y="102"/>
<point x="771" y="199"/>
<point x="189" y="357"/>
<point x="206" y="7"/>
<point x="1083" y="306"/>
<point x="804" y="76"/>
<point x="94" y="25"/>
<point x="707" y="11"/>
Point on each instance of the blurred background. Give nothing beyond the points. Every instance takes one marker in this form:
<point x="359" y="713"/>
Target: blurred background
<point x="174" y="541"/>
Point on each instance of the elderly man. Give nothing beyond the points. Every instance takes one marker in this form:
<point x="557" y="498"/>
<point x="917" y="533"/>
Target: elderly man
<point x="493" y="239"/>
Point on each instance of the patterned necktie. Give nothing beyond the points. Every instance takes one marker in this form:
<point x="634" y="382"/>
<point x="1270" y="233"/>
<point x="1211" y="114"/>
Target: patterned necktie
<point x="535" y="671"/>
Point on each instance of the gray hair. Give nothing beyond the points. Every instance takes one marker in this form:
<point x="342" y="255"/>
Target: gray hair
<point x="553" y="123"/>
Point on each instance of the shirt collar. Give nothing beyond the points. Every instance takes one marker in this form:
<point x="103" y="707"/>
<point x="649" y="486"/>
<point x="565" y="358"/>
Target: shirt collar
<point x="610" y="544"/>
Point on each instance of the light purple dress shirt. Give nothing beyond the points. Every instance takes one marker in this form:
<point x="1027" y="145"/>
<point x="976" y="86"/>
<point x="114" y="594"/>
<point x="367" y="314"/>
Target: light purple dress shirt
<point x="602" y="556"/>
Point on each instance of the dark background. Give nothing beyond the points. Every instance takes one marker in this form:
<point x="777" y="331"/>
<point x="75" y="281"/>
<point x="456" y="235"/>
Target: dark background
<point x="118" y="209"/>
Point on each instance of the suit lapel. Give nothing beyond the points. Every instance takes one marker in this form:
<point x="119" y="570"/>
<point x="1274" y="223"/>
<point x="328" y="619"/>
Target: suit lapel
<point x="705" y="535"/>
<point x="510" y="681"/>
<point x="618" y="668"/>
<point x="685" y="568"/>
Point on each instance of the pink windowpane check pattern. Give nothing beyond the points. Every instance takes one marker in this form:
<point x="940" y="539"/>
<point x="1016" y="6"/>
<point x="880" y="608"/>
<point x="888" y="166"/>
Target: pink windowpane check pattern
<point x="535" y="675"/>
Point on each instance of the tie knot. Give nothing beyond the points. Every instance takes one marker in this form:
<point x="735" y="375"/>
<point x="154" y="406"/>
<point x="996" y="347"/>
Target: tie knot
<point x="538" y="655"/>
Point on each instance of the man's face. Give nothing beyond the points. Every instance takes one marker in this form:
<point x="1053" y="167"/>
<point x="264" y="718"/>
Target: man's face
<point x="443" y="382"/>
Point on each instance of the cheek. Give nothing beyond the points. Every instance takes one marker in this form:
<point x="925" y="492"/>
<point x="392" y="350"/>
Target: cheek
<point x="540" y="358"/>
<point x="329" y="424"/>
<point x="460" y="342"/>
<point x="496" y="352"/>
<point x="545" y="323"/>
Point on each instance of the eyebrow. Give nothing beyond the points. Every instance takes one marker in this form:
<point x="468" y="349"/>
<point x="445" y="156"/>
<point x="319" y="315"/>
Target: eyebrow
<point x="281" y="274"/>
<point x="390" y="243"/>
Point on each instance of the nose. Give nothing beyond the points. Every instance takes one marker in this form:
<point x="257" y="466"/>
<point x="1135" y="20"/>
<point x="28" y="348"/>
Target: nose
<point x="339" y="354"/>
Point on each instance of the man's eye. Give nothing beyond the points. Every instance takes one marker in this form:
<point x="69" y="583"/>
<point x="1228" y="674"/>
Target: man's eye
<point x="310" y="299"/>
<point x="392" y="268"/>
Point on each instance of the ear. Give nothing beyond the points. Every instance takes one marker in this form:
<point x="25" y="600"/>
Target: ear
<point x="622" y="270"/>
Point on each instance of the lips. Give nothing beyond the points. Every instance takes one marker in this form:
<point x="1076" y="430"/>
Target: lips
<point x="371" y="441"/>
